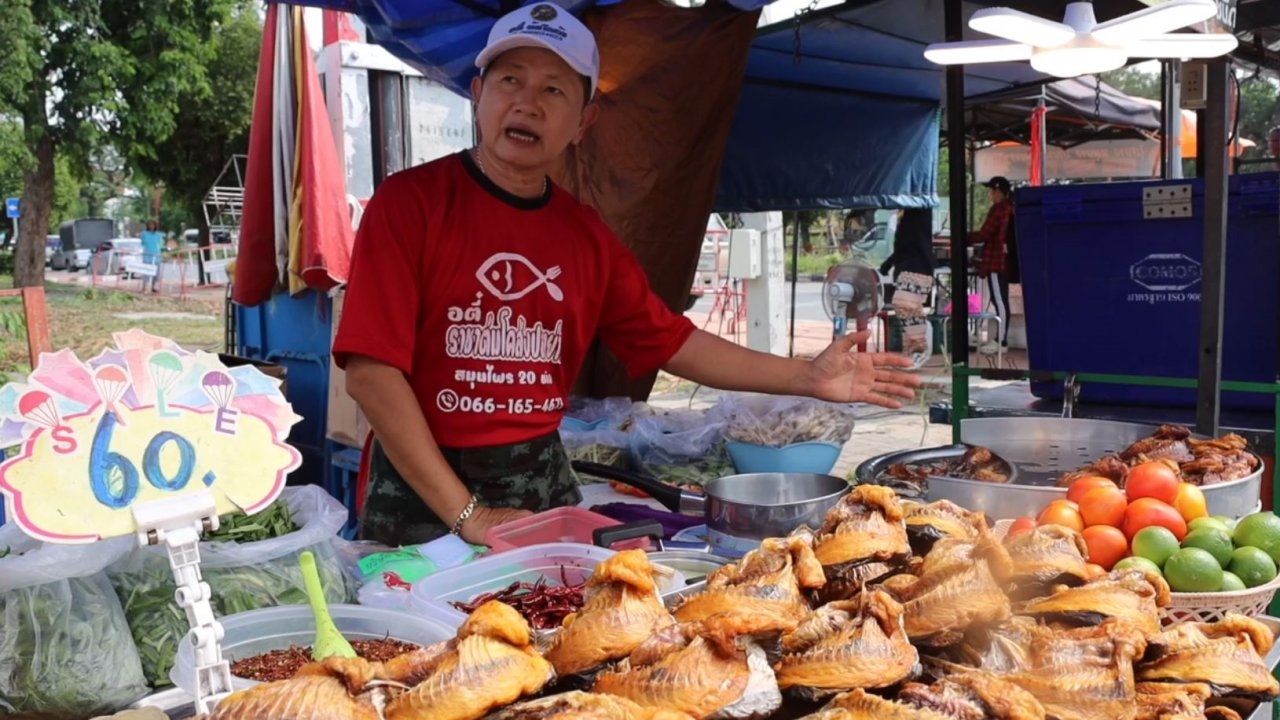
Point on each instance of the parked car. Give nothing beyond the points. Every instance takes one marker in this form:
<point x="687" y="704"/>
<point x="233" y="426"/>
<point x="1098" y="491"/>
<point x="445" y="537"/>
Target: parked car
<point x="110" y="256"/>
<point x="78" y="238"/>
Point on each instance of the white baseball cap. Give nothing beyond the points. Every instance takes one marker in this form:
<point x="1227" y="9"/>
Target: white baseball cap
<point x="549" y="26"/>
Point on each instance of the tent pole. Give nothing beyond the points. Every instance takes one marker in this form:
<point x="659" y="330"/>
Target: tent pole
<point x="956" y="146"/>
<point x="1171" y="120"/>
<point x="795" y="278"/>
<point x="1042" y="130"/>
<point x="1213" y="135"/>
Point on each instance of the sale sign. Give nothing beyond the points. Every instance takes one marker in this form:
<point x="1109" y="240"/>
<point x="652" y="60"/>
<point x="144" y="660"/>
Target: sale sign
<point x="143" y="421"/>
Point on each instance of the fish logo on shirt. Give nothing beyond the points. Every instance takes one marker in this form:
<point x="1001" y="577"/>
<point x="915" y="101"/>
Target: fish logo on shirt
<point x="511" y="276"/>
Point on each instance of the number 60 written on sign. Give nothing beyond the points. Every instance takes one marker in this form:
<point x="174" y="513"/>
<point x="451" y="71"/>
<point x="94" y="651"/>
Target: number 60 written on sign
<point x="104" y="463"/>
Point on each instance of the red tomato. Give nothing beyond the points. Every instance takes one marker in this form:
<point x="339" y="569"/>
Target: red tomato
<point x="1021" y="525"/>
<point x="1103" y="506"/>
<point x="1152" y="480"/>
<point x="1107" y="545"/>
<point x="1061" y="512"/>
<point x="1145" y="512"/>
<point x="1085" y="484"/>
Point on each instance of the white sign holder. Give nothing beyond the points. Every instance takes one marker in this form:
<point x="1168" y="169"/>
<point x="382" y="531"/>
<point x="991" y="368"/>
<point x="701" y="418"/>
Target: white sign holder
<point x="178" y="523"/>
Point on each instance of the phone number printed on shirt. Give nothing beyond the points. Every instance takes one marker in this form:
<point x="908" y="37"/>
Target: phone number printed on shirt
<point x="450" y="401"/>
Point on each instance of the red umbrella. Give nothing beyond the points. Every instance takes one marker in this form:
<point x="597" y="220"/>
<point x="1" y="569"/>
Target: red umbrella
<point x="296" y="227"/>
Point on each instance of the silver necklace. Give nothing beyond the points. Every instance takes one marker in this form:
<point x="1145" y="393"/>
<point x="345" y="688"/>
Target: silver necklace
<point x="475" y="155"/>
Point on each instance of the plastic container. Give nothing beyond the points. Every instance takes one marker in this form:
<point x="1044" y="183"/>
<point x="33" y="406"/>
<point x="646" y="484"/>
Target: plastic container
<point x="1107" y="290"/>
<point x="561" y="525"/>
<point x="554" y="563"/>
<point x="258" y="631"/>
<point x="805" y="457"/>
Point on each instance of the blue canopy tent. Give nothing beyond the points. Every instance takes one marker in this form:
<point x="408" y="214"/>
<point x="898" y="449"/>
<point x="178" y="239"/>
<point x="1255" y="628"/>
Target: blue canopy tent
<point x="843" y="113"/>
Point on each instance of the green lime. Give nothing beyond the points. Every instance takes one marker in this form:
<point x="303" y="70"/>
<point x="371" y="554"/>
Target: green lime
<point x="1209" y="522"/>
<point x="1230" y="522"/>
<point x="1139" y="563"/>
<point x="1193" y="570"/>
<point x="1232" y="582"/>
<point x="1216" y="542"/>
<point x="1260" y="530"/>
<point x="1155" y="543"/>
<point x="1253" y="566"/>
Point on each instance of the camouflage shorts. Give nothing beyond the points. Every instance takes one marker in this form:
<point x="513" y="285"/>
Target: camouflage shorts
<point x="533" y="475"/>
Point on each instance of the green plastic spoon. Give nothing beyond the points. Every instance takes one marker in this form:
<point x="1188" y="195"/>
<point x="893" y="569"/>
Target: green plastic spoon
<point x="329" y="641"/>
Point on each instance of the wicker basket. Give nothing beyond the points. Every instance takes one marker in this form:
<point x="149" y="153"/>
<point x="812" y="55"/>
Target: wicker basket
<point x="1211" y="607"/>
<point x="1202" y="607"/>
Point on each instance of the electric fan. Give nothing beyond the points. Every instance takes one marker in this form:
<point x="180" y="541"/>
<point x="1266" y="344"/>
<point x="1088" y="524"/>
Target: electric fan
<point x="851" y="291"/>
<point x="1080" y="45"/>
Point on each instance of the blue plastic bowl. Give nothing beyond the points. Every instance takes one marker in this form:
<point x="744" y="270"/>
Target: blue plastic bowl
<point x="580" y="426"/>
<point x="805" y="457"/>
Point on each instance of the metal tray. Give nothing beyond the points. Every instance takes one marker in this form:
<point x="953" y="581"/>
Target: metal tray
<point x="1043" y="449"/>
<point x="997" y="500"/>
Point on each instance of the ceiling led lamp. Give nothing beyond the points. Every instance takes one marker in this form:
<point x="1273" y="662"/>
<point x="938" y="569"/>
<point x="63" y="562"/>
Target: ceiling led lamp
<point x="1080" y="45"/>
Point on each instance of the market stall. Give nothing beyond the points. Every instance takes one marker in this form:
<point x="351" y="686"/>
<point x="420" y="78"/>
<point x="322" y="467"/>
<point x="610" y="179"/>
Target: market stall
<point x="715" y="567"/>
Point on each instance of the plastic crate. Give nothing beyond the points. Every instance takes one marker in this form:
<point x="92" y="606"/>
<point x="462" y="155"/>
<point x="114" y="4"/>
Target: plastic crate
<point x="1108" y="291"/>
<point x="295" y="332"/>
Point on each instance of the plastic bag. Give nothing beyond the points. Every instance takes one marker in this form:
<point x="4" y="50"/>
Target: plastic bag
<point x="64" y="644"/>
<point x="606" y="447"/>
<point x="681" y="447"/>
<point x="586" y="414"/>
<point x="241" y="577"/>
<point x="777" y="421"/>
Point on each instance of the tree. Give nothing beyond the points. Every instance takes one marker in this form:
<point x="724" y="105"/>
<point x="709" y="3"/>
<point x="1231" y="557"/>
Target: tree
<point x="213" y="122"/>
<point x="81" y="70"/>
<point x="1134" y="82"/>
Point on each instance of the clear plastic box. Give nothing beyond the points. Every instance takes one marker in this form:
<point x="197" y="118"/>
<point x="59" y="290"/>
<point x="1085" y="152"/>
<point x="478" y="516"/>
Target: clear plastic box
<point x="561" y="525"/>
<point x="257" y="631"/>
<point x="430" y="596"/>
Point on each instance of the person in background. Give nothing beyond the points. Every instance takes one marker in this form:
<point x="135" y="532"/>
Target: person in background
<point x="912" y="264"/>
<point x="478" y="287"/>
<point x="999" y="254"/>
<point x="153" y="251"/>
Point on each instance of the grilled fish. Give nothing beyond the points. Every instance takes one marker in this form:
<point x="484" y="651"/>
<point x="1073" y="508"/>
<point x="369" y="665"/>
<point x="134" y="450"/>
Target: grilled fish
<point x="621" y="609"/>
<point x="973" y="695"/>
<point x="845" y="645"/>
<point x="706" y="669"/>
<point x="764" y="591"/>
<point x="960" y="585"/>
<point x="337" y="689"/>
<point x="927" y="523"/>
<point x="861" y="705"/>
<point x="1134" y="596"/>
<point x="584" y="706"/>
<point x="865" y="526"/>
<point x="1226" y="655"/>
<point x="1044" y="557"/>
<point x="493" y="663"/>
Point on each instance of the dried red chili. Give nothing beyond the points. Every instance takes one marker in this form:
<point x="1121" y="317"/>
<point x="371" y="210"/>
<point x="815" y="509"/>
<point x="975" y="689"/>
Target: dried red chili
<point x="283" y="664"/>
<point x="544" y="606"/>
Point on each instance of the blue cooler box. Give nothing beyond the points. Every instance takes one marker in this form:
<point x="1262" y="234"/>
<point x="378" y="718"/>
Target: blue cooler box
<point x="1106" y="290"/>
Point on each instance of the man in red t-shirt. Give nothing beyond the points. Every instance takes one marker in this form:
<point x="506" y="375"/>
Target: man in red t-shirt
<point x="477" y="288"/>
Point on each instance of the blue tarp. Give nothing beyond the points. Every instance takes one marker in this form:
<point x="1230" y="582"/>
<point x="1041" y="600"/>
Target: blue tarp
<point x="851" y="119"/>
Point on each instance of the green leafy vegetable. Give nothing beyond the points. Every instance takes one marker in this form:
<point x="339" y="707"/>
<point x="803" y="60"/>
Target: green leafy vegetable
<point x="273" y="522"/>
<point x="145" y="586"/>
<point x="65" y="648"/>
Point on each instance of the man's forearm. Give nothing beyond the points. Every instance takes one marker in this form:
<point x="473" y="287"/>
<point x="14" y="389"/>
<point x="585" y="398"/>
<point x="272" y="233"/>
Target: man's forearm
<point x="389" y="404"/>
<point x="717" y="363"/>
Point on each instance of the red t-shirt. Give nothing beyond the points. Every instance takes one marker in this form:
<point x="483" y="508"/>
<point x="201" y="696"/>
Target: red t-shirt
<point x="488" y="302"/>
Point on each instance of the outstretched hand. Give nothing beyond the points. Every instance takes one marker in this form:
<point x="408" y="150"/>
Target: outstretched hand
<point x="841" y="374"/>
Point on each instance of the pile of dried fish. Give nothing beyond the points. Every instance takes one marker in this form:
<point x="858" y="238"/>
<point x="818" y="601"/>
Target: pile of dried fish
<point x="845" y="622"/>
<point x="1201" y="462"/>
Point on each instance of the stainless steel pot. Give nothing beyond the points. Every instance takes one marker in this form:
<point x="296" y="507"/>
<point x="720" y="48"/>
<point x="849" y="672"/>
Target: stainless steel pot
<point x="1044" y="448"/>
<point x="996" y="500"/>
<point x="741" y="510"/>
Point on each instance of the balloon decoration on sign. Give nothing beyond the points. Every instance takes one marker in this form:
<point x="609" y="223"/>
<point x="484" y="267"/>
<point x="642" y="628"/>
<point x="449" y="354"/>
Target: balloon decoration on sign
<point x="142" y="421"/>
